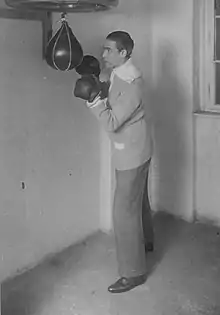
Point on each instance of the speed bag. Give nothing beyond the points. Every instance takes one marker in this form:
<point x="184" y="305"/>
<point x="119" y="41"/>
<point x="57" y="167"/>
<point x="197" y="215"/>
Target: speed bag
<point x="63" y="51"/>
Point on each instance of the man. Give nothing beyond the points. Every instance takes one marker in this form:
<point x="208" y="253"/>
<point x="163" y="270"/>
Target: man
<point x="122" y="115"/>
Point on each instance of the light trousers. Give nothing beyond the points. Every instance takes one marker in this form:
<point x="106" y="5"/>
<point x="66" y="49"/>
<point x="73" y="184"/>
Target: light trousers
<point x="132" y="220"/>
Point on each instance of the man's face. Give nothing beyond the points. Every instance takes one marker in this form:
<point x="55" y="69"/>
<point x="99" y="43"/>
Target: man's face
<point x="112" y="56"/>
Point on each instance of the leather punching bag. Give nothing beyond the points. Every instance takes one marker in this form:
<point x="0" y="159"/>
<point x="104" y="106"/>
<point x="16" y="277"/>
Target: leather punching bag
<point x="63" y="51"/>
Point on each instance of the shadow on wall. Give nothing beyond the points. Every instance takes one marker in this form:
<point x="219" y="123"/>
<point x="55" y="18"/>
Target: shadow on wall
<point x="168" y="106"/>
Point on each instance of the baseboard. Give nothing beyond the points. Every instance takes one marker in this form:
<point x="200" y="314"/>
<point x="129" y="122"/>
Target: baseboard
<point x="31" y="266"/>
<point x="189" y="219"/>
<point x="199" y="218"/>
<point x="195" y="218"/>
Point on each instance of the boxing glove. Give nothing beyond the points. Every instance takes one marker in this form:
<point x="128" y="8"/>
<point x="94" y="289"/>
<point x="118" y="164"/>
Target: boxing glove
<point x="87" y="88"/>
<point x="88" y="66"/>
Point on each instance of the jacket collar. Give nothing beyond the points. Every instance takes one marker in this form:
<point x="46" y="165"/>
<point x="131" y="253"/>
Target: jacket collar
<point x="127" y="72"/>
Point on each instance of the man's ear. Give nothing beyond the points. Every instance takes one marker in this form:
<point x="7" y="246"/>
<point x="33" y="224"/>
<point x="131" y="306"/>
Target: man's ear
<point x="124" y="53"/>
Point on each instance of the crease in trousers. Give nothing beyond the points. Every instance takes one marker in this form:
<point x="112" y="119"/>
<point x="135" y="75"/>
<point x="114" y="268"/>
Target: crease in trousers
<point x="132" y="220"/>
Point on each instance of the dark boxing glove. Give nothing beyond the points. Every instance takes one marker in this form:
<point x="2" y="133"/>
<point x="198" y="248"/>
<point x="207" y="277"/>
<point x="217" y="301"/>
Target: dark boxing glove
<point x="87" y="88"/>
<point x="89" y="66"/>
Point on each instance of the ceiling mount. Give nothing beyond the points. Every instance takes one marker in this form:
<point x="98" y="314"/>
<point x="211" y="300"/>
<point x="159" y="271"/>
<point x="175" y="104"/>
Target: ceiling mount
<point x="68" y="6"/>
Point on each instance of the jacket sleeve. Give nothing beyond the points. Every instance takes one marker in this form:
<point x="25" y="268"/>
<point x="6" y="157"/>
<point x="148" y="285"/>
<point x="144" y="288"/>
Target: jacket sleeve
<point x="114" y="116"/>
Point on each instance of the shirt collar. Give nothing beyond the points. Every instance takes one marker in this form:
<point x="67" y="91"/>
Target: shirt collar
<point x="127" y="71"/>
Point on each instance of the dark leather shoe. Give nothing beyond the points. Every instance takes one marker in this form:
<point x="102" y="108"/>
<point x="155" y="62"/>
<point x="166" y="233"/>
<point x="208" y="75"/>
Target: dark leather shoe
<point x="126" y="284"/>
<point x="149" y="247"/>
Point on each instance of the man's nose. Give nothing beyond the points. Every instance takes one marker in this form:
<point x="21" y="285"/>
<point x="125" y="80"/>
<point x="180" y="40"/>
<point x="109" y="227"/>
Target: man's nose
<point x="104" y="54"/>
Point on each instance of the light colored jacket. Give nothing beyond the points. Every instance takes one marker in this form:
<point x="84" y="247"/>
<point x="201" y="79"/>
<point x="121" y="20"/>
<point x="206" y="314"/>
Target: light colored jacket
<point x="123" y="117"/>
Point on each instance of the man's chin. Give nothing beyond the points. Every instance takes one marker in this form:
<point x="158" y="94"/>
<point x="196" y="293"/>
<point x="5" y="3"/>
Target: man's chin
<point x="108" y="65"/>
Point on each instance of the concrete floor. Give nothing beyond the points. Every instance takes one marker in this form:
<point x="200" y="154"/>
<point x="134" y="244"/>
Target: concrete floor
<point x="184" y="277"/>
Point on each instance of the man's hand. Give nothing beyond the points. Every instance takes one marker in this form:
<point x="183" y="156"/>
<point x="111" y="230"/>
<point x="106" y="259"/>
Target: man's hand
<point x="89" y="66"/>
<point x="87" y="88"/>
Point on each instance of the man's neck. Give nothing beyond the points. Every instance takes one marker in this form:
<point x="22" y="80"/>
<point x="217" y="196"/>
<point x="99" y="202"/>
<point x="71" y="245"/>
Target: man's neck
<point x="122" y="64"/>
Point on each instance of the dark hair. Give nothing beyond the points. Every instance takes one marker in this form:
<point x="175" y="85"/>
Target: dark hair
<point x="123" y="41"/>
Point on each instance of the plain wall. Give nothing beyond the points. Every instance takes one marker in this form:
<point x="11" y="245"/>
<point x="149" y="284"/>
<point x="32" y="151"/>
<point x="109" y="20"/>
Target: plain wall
<point x="207" y="171"/>
<point x="48" y="141"/>
<point x="172" y="106"/>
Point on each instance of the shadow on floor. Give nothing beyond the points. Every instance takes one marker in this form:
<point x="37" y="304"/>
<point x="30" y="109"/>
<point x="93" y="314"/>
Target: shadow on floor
<point x="26" y="293"/>
<point x="184" y="275"/>
<point x="167" y="228"/>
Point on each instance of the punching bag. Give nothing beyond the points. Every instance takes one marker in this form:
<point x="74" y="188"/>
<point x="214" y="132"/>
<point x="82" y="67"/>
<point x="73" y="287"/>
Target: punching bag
<point x="63" y="51"/>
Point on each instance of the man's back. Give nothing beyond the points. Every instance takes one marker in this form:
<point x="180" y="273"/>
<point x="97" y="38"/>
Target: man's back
<point x="131" y="134"/>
